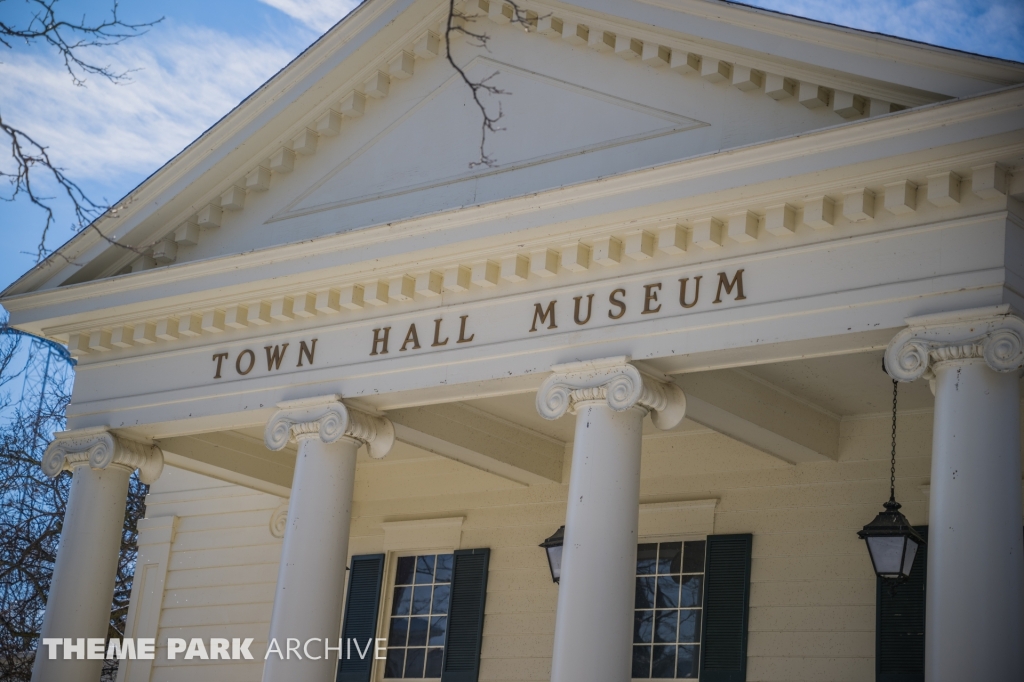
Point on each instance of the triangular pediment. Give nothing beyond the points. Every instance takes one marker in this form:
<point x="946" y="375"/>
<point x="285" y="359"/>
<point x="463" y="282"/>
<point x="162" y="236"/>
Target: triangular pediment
<point x="593" y="92"/>
<point x="433" y="144"/>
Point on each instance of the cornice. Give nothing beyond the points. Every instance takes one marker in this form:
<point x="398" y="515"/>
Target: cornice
<point x="740" y="55"/>
<point x="850" y="39"/>
<point x="747" y="227"/>
<point x="850" y="135"/>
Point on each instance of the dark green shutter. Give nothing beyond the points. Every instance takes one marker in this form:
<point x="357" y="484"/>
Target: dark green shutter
<point x="899" y="623"/>
<point x="466" y="616"/>
<point x="723" y="655"/>
<point x="361" y="607"/>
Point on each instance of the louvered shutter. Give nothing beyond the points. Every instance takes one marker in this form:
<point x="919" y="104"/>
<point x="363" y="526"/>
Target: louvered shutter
<point x="361" y="607"/>
<point x="726" y="604"/>
<point x="899" y="623"/>
<point x="466" y="616"/>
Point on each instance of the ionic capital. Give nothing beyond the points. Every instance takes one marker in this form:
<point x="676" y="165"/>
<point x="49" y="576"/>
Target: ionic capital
<point x="615" y="381"/>
<point x="99" y="449"/>
<point x="328" y="419"/>
<point x="990" y="334"/>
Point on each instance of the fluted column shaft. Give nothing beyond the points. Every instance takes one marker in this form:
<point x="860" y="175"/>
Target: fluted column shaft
<point x="82" y="587"/>
<point x="610" y="398"/>
<point x="975" y="594"/>
<point x="311" y="578"/>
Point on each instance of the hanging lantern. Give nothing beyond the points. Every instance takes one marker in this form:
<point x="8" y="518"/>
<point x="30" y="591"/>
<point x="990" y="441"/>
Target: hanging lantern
<point x="553" y="547"/>
<point x="892" y="541"/>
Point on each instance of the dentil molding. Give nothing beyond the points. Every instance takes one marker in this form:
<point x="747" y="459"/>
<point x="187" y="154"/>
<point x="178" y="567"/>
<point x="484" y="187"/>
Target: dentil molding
<point x="99" y="448"/>
<point x="327" y="418"/>
<point x="615" y="381"/>
<point x="991" y="334"/>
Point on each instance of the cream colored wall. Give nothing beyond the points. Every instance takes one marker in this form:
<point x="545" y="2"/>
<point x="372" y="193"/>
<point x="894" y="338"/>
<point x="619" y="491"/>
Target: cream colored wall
<point x="221" y="574"/>
<point x="812" y="596"/>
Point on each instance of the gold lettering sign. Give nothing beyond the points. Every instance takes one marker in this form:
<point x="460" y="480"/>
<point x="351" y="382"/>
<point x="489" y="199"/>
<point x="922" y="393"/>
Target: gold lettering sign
<point x="277" y="356"/>
<point x="653" y="302"/>
<point x="651" y="298"/>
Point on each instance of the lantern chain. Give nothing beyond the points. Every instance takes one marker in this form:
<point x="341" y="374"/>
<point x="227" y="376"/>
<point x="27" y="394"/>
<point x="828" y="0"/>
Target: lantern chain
<point x="892" y="468"/>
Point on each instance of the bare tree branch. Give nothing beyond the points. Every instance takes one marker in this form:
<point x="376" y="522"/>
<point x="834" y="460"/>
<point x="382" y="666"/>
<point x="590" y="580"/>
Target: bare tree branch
<point x="30" y="158"/>
<point x="458" y="22"/>
<point x="32" y="508"/>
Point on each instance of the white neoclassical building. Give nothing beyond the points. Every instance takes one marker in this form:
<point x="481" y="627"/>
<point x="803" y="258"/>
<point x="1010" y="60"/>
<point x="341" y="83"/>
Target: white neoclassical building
<point x="367" y="378"/>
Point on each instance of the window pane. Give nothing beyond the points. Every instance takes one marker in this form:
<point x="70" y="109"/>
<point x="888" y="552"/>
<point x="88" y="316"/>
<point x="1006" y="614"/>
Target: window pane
<point x="443" y="573"/>
<point x="406" y="564"/>
<point x="689" y="625"/>
<point x="438" y="625"/>
<point x="670" y="557"/>
<point x="434" y="658"/>
<point x="400" y="604"/>
<point x="665" y="626"/>
<point x="668" y="592"/>
<point x="693" y="557"/>
<point x="644" y="593"/>
<point x="646" y="558"/>
<point x="664" y="662"/>
<point x="418" y="631"/>
<point x="424" y="569"/>
<point x="689" y="657"/>
<point x="441" y="593"/>
<point x="398" y="632"/>
<point x="395" y="663"/>
<point x="421" y="600"/>
<point x="643" y="625"/>
<point x="414" y="659"/>
<point x="692" y="591"/>
<point x="641" y="661"/>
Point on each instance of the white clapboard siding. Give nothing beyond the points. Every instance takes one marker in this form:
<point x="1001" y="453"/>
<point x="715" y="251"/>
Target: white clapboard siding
<point x="221" y="575"/>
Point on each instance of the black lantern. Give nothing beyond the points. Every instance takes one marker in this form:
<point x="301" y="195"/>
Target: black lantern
<point x="892" y="541"/>
<point x="553" y="547"/>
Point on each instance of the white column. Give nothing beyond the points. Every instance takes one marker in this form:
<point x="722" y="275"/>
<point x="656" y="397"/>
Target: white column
<point x="82" y="587"/>
<point x="311" y="578"/>
<point x="593" y="625"/>
<point x="975" y="594"/>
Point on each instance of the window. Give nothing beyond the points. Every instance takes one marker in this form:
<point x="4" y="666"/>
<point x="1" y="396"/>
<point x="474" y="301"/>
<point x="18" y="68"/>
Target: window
<point x="419" y="616"/>
<point x="668" y="609"/>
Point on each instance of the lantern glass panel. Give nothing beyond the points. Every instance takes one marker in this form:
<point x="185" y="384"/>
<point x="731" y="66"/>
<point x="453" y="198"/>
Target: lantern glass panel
<point x="908" y="560"/>
<point x="887" y="554"/>
<point x="555" y="561"/>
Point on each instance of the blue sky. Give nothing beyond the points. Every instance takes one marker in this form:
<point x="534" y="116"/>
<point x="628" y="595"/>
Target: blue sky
<point x="208" y="55"/>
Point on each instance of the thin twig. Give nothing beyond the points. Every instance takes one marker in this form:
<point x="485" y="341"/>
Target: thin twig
<point x="457" y="23"/>
<point x="30" y="157"/>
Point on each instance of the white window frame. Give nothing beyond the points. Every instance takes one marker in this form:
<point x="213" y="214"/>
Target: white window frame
<point x="672" y="537"/>
<point x="410" y="538"/>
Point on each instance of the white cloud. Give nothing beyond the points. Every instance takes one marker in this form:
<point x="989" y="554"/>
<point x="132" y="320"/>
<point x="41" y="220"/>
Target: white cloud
<point x="318" y="15"/>
<point x="189" y="78"/>
<point x="989" y="27"/>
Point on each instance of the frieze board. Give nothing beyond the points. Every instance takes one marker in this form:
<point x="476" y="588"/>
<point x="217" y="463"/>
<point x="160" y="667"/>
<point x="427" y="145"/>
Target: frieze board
<point x="787" y="296"/>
